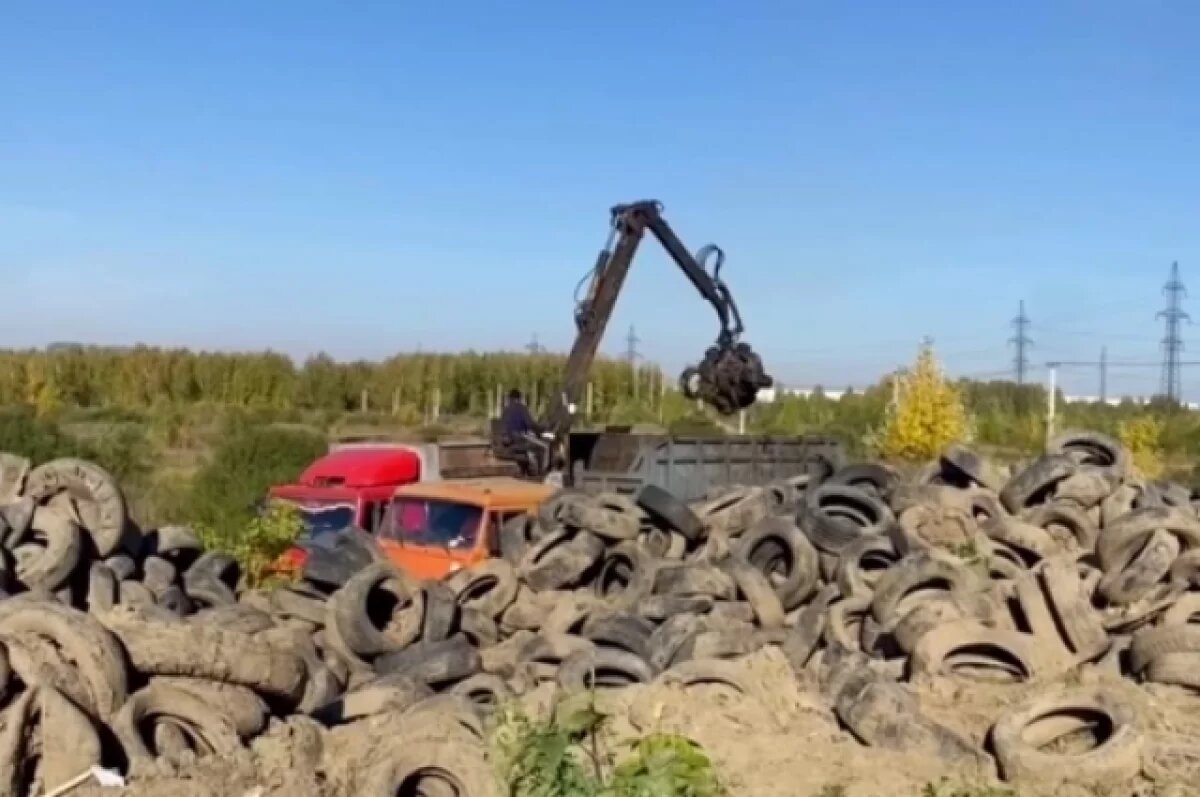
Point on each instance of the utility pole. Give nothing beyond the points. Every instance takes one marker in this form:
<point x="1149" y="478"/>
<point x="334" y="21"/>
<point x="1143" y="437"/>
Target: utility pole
<point x="1172" y="345"/>
<point x="1022" y="342"/>
<point x="1104" y="375"/>
<point x="1051" y="396"/>
<point x="631" y="353"/>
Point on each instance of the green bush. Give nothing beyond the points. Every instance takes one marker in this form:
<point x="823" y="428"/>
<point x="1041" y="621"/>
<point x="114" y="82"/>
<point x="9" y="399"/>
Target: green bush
<point x="562" y="758"/>
<point x="257" y="544"/>
<point x="247" y="460"/>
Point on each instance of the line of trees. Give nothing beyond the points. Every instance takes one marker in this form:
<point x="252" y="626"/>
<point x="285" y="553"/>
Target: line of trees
<point x="402" y="388"/>
<point x="404" y="385"/>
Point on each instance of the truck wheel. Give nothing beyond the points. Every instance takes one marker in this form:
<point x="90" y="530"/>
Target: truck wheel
<point x="666" y="509"/>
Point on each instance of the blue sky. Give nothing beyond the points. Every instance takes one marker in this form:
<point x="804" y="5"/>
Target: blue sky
<point x="366" y="178"/>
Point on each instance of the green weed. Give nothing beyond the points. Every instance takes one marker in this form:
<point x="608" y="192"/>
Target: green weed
<point x="562" y="757"/>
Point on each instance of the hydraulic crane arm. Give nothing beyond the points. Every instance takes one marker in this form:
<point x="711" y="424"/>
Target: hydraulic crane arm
<point x="731" y="373"/>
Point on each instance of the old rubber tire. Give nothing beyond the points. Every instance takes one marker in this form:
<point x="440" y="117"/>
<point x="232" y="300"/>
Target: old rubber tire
<point x="560" y="560"/>
<point x="756" y="589"/>
<point x="667" y="510"/>
<point x="779" y="550"/>
<point x="1093" y="450"/>
<point x="244" y="709"/>
<point x="66" y="744"/>
<point x="873" y="478"/>
<point x="441" y="612"/>
<point x="833" y="517"/>
<point x="205" y="728"/>
<point x="603" y="668"/>
<point x="1035" y="483"/>
<point x="436" y="664"/>
<point x="489" y="587"/>
<point x="1021" y="736"/>
<point x="94" y="493"/>
<point x="379" y="610"/>
<point x="967" y="649"/>
<point x="81" y="640"/>
<point x="627" y="575"/>
<point x="202" y="651"/>
<point x="48" y="563"/>
<point x="607" y="515"/>
<point x="433" y="768"/>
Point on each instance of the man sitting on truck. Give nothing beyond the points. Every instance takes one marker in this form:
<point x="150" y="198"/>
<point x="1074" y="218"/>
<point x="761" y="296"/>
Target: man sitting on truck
<point x="522" y="433"/>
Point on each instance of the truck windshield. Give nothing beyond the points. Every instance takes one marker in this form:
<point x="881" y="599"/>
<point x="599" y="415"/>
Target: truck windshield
<point x="432" y="522"/>
<point x="320" y="519"/>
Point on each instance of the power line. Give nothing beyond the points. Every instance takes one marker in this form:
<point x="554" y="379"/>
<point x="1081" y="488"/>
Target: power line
<point x="1022" y="342"/>
<point x="1172" y="344"/>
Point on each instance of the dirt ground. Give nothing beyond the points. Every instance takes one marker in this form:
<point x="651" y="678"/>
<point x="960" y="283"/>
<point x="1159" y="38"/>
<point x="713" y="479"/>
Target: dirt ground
<point x="778" y="740"/>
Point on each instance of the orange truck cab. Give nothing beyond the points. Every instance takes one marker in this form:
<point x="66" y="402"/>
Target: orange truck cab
<point x="432" y="529"/>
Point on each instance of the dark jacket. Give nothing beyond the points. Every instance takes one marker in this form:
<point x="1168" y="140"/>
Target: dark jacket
<point x="516" y="420"/>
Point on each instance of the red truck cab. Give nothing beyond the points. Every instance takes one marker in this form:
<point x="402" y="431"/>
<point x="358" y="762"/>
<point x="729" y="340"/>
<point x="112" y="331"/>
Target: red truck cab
<point x="350" y="486"/>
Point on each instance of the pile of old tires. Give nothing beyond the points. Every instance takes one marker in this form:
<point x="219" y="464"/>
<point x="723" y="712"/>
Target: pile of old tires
<point x="137" y="650"/>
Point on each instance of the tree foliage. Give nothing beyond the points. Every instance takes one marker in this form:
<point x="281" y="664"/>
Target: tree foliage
<point x="1142" y="435"/>
<point x="405" y="385"/>
<point x="927" y="415"/>
<point x="247" y="460"/>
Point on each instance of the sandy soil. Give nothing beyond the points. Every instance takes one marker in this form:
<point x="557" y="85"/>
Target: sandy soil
<point x="779" y="740"/>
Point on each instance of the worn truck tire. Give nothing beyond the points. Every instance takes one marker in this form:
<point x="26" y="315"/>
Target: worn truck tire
<point x="833" y="517"/>
<point x="668" y="511"/>
<point x="489" y="587"/>
<point x="914" y="579"/>
<point x="1092" y="450"/>
<point x="200" y="651"/>
<point x="1149" y="567"/>
<point x="93" y="492"/>
<point x="488" y="692"/>
<point x="441" y="612"/>
<point x="658" y="608"/>
<point x="245" y="710"/>
<point x="603" y="668"/>
<point x="65" y="745"/>
<point x="379" y="610"/>
<point x="202" y="728"/>
<point x="626" y="632"/>
<point x="731" y="513"/>
<point x="1021" y="736"/>
<point x="967" y="649"/>
<point x="871" y="477"/>
<point x="626" y="576"/>
<point x="47" y="562"/>
<point x="437" y="769"/>
<point x="560" y="560"/>
<point x="779" y="550"/>
<point x="757" y="591"/>
<point x="83" y="641"/>
<point x="607" y="515"/>
<point x="435" y="664"/>
<point x="694" y="579"/>
<point x="396" y="692"/>
<point x="1034" y="484"/>
<point x="863" y="563"/>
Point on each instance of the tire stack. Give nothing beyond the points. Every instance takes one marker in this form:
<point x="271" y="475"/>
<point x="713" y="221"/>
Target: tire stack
<point x="142" y="651"/>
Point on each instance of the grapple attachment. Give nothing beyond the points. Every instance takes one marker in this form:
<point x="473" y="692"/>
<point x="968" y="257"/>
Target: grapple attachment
<point x="728" y="379"/>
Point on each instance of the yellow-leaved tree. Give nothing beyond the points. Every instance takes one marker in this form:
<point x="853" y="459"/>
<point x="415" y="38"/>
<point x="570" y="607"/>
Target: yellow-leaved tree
<point x="927" y="415"/>
<point x="1142" y="435"/>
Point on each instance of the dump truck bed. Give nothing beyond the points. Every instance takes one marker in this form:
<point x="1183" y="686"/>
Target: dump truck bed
<point x="689" y="467"/>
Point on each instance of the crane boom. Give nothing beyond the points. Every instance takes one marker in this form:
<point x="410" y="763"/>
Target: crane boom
<point x="730" y="375"/>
